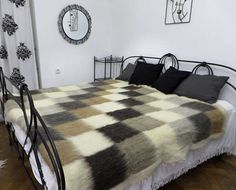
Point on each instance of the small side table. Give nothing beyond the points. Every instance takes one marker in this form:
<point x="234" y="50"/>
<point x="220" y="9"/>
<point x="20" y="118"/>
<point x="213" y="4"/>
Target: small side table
<point x="111" y="63"/>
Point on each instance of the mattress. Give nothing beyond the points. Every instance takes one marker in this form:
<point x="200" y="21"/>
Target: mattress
<point x="165" y="172"/>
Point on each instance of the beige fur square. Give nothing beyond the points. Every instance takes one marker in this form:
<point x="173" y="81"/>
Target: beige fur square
<point x="73" y="128"/>
<point x="86" y="112"/>
<point x="94" y="101"/>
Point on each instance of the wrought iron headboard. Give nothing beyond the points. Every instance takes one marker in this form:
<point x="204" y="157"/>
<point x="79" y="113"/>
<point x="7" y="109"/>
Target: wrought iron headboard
<point x="176" y="62"/>
<point x="33" y="123"/>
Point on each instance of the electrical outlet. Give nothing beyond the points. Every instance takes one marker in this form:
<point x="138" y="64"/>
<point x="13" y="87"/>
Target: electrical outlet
<point x="58" y="71"/>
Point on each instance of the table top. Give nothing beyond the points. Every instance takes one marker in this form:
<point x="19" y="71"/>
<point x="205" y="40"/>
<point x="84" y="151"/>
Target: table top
<point x="109" y="59"/>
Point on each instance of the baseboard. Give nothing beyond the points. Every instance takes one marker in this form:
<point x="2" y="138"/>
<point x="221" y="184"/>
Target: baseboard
<point x="234" y="152"/>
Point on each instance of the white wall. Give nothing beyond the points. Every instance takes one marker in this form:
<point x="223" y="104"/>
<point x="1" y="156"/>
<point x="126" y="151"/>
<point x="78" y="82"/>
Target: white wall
<point x="125" y="27"/>
<point x="75" y="62"/>
<point x="138" y="28"/>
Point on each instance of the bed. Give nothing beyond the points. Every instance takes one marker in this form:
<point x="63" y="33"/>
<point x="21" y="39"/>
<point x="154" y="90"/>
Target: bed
<point x="112" y="135"/>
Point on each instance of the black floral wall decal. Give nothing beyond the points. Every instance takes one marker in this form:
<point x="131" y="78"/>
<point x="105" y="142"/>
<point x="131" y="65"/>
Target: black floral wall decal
<point x="16" y="77"/>
<point x="9" y="25"/>
<point x="23" y="52"/>
<point x="12" y="1"/>
<point x="3" y="52"/>
<point x="18" y="2"/>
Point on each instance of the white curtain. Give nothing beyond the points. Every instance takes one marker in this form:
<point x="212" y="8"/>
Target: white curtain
<point x="24" y="34"/>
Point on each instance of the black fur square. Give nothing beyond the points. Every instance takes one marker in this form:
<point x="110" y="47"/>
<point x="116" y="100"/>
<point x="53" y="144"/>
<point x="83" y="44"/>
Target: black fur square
<point x="118" y="132"/>
<point x="72" y="105"/>
<point x="131" y="93"/>
<point x="124" y="114"/>
<point x="108" y="168"/>
<point x="59" y="118"/>
<point x="130" y="102"/>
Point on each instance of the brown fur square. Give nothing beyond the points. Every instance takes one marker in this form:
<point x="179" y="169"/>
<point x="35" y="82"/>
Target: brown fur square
<point x="73" y="128"/>
<point x="86" y="112"/>
<point x="94" y="101"/>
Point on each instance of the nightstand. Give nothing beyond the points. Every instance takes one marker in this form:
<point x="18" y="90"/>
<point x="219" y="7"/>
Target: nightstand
<point x="107" y="67"/>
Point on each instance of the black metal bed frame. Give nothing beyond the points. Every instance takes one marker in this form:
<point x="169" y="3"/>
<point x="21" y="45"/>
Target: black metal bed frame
<point x="175" y="63"/>
<point x="33" y="134"/>
<point x="35" y="121"/>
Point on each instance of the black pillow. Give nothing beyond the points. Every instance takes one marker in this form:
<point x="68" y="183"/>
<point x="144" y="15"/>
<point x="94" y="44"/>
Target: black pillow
<point x="202" y="87"/>
<point x="145" y="73"/>
<point x="170" y="80"/>
<point x="127" y="73"/>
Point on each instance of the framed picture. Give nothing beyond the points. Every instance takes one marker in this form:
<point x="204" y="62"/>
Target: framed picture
<point x="178" y="11"/>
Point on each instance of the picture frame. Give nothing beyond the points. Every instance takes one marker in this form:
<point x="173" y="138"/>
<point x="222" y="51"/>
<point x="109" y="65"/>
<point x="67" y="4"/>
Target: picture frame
<point x="178" y="11"/>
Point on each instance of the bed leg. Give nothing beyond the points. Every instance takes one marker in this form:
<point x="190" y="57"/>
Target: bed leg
<point x="8" y="126"/>
<point x="221" y="157"/>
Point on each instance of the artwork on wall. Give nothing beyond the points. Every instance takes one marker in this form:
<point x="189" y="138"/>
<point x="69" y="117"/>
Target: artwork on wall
<point x="23" y="52"/>
<point x="9" y="25"/>
<point x="178" y="11"/>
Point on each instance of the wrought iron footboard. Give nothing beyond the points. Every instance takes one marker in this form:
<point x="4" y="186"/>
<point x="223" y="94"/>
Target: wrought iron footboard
<point x="33" y="122"/>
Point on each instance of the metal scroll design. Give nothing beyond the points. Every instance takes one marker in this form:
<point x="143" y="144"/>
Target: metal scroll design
<point x="203" y="65"/>
<point x="172" y="58"/>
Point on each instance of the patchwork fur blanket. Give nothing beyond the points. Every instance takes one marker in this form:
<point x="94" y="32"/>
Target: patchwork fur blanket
<point x="110" y="134"/>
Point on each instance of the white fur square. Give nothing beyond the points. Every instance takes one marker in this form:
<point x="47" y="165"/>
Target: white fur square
<point x="91" y="142"/>
<point x="165" y="141"/>
<point x="75" y="178"/>
<point x="69" y="88"/>
<point x="117" y="90"/>
<point x="165" y="116"/>
<point x="109" y="107"/>
<point x="13" y="114"/>
<point x="43" y="103"/>
<point x="115" y="97"/>
<point x="160" y="95"/>
<point x="121" y="84"/>
<point x="99" y="121"/>
<point x="56" y="94"/>
<point x="162" y="104"/>
<point x="161" y="135"/>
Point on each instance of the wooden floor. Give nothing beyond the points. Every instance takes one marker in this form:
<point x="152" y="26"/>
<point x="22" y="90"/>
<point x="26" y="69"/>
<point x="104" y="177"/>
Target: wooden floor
<point x="216" y="174"/>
